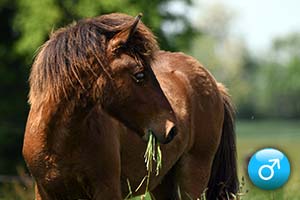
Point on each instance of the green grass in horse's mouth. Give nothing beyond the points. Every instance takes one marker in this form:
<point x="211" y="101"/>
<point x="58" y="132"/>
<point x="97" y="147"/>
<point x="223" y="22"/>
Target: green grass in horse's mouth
<point x="153" y="153"/>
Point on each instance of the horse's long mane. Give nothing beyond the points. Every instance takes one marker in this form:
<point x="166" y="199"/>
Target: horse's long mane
<point x="74" y="56"/>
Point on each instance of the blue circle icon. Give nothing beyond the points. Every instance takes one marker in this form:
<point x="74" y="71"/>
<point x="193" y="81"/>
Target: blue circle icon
<point x="269" y="169"/>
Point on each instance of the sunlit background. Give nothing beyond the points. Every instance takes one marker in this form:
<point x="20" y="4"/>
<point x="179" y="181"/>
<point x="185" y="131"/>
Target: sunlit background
<point x="251" y="46"/>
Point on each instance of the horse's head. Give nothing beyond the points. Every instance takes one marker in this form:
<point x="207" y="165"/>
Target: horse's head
<point x="135" y="96"/>
<point x="104" y="60"/>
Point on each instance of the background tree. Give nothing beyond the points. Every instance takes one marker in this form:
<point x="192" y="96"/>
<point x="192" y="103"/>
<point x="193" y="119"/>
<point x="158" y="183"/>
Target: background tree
<point x="35" y="19"/>
<point x="13" y="87"/>
<point x="279" y="86"/>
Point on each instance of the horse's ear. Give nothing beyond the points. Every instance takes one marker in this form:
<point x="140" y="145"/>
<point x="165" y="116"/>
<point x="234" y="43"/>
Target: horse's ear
<point x="123" y="36"/>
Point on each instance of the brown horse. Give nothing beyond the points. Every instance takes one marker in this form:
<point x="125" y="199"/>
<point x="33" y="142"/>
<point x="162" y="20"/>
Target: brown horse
<point x="96" y="89"/>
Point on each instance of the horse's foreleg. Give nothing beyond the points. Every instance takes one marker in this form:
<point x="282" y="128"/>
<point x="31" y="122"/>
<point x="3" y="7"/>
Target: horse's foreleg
<point x="106" y="181"/>
<point x="192" y="176"/>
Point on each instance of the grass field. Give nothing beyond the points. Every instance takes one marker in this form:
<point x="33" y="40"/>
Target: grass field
<point x="251" y="136"/>
<point x="283" y="135"/>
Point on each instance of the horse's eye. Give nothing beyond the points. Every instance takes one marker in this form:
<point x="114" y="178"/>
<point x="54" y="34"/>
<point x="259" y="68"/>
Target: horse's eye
<point x="139" y="77"/>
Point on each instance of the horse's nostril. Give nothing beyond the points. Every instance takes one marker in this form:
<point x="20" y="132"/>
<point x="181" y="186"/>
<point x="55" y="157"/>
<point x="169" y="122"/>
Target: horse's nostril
<point x="171" y="135"/>
<point x="173" y="132"/>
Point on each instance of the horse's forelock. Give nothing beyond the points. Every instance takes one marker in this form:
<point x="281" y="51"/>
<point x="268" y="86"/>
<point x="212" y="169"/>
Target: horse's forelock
<point x="73" y="57"/>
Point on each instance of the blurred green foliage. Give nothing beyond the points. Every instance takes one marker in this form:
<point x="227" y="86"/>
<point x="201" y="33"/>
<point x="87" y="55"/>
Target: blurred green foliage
<point x="35" y="19"/>
<point x="262" y="84"/>
<point x="280" y="73"/>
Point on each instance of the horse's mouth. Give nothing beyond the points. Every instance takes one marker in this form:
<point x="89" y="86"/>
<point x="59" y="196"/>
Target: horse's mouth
<point x="146" y="136"/>
<point x="160" y="138"/>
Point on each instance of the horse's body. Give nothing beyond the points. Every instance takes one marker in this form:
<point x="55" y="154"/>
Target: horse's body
<point x="77" y="147"/>
<point x="200" y="104"/>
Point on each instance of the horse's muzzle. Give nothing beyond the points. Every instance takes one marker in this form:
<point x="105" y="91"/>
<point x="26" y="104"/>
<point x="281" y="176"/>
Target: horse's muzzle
<point x="164" y="135"/>
<point x="171" y="134"/>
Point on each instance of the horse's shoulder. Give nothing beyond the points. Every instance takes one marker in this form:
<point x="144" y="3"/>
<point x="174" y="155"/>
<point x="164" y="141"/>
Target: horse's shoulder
<point x="198" y="80"/>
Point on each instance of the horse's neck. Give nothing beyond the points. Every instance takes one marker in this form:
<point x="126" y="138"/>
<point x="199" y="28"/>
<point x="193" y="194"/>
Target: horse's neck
<point x="69" y="124"/>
